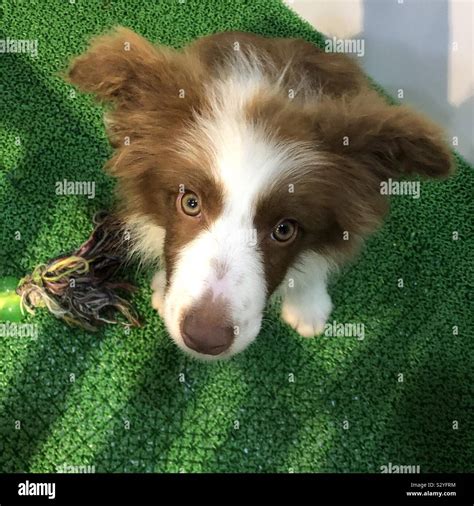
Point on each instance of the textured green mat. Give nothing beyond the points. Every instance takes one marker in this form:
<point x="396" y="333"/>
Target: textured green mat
<point x="118" y="402"/>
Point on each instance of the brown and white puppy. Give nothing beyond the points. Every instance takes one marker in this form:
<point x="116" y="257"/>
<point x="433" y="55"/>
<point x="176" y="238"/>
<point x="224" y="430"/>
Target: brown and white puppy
<point x="248" y="165"/>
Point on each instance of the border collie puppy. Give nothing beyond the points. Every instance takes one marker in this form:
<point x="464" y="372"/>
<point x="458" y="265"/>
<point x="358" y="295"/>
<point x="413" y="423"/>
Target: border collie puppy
<point x="248" y="166"/>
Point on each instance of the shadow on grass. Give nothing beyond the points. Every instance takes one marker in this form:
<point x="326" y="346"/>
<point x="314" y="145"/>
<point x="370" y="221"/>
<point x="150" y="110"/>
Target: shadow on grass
<point x="157" y="408"/>
<point x="407" y="423"/>
<point x="284" y="425"/>
<point x="37" y="396"/>
<point x="56" y="144"/>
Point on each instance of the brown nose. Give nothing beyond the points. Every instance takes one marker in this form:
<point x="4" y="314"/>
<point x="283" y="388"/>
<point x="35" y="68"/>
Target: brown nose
<point x="204" y="335"/>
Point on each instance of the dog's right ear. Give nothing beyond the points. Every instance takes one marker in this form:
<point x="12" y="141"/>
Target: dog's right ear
<point x="121" y="66"/>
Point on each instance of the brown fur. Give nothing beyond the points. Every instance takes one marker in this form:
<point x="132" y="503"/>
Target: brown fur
<point x="339" y="192"/>
<point x="333" y="75"/>
<point x="148" y="117"/>
<point x="210" y="324"/>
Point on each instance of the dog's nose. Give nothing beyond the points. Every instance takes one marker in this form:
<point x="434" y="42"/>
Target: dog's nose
<point x="204" y="335"/>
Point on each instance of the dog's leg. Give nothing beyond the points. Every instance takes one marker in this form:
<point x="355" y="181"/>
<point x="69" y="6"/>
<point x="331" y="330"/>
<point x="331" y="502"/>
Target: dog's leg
<point x="306" y="302"/>
<point x="158" y="285"/>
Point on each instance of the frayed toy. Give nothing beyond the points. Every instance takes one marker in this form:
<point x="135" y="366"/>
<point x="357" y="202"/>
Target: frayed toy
<point x="79" y="288"/>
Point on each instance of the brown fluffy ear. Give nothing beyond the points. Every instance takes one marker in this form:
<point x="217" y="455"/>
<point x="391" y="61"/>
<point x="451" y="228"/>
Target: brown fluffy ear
<point x="364" y="141"/>
<point x="120" y="66"/>
<point x="390" y="141"/>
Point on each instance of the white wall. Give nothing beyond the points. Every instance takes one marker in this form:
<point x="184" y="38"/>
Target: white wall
<point x="423" y="47"/>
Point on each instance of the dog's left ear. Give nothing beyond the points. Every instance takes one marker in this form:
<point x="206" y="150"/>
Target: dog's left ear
<point x="365" y="142"/>
<point x="389" y="141"/>
<point x="121" y="66"/>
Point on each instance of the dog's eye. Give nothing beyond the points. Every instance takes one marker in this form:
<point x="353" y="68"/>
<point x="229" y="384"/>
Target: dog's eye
<point x="285" y="231"/>
<point x="190" y="204"/>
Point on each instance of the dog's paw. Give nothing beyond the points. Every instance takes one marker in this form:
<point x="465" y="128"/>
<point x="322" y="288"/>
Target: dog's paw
<point x="158" y="285"/>
<point x="309" y="318"/>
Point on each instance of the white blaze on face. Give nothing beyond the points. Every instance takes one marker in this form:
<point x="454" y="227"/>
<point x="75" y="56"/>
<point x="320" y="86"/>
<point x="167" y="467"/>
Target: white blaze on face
<point x="225" y="258"/>
<point x="221" y="262"/>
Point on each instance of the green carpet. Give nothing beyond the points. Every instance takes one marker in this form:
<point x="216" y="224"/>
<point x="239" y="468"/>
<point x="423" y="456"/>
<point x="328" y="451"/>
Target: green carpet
<point x="134" y="402"/>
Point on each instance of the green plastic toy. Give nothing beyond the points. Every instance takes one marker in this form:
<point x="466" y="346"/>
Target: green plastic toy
<point x="10" y="301"/>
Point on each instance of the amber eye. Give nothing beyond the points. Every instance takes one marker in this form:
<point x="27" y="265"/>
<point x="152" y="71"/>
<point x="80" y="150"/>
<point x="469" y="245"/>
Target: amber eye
<point x="285" y="231"/>
<point x="190" y="204"/>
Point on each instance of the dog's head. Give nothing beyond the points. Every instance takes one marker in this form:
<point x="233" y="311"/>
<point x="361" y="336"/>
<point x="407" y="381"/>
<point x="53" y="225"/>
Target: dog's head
<point x="232" y="165"/>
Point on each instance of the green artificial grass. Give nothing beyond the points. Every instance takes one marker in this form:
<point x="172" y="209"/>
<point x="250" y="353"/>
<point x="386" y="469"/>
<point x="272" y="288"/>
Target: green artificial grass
<point x="134" y="402"/>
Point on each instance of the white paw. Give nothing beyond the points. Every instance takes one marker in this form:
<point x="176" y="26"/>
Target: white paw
<point x="307" y="318"/>
<point x="158" y="285"/>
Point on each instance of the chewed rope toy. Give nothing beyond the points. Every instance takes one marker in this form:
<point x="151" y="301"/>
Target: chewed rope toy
<point x="78" y="288"/>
